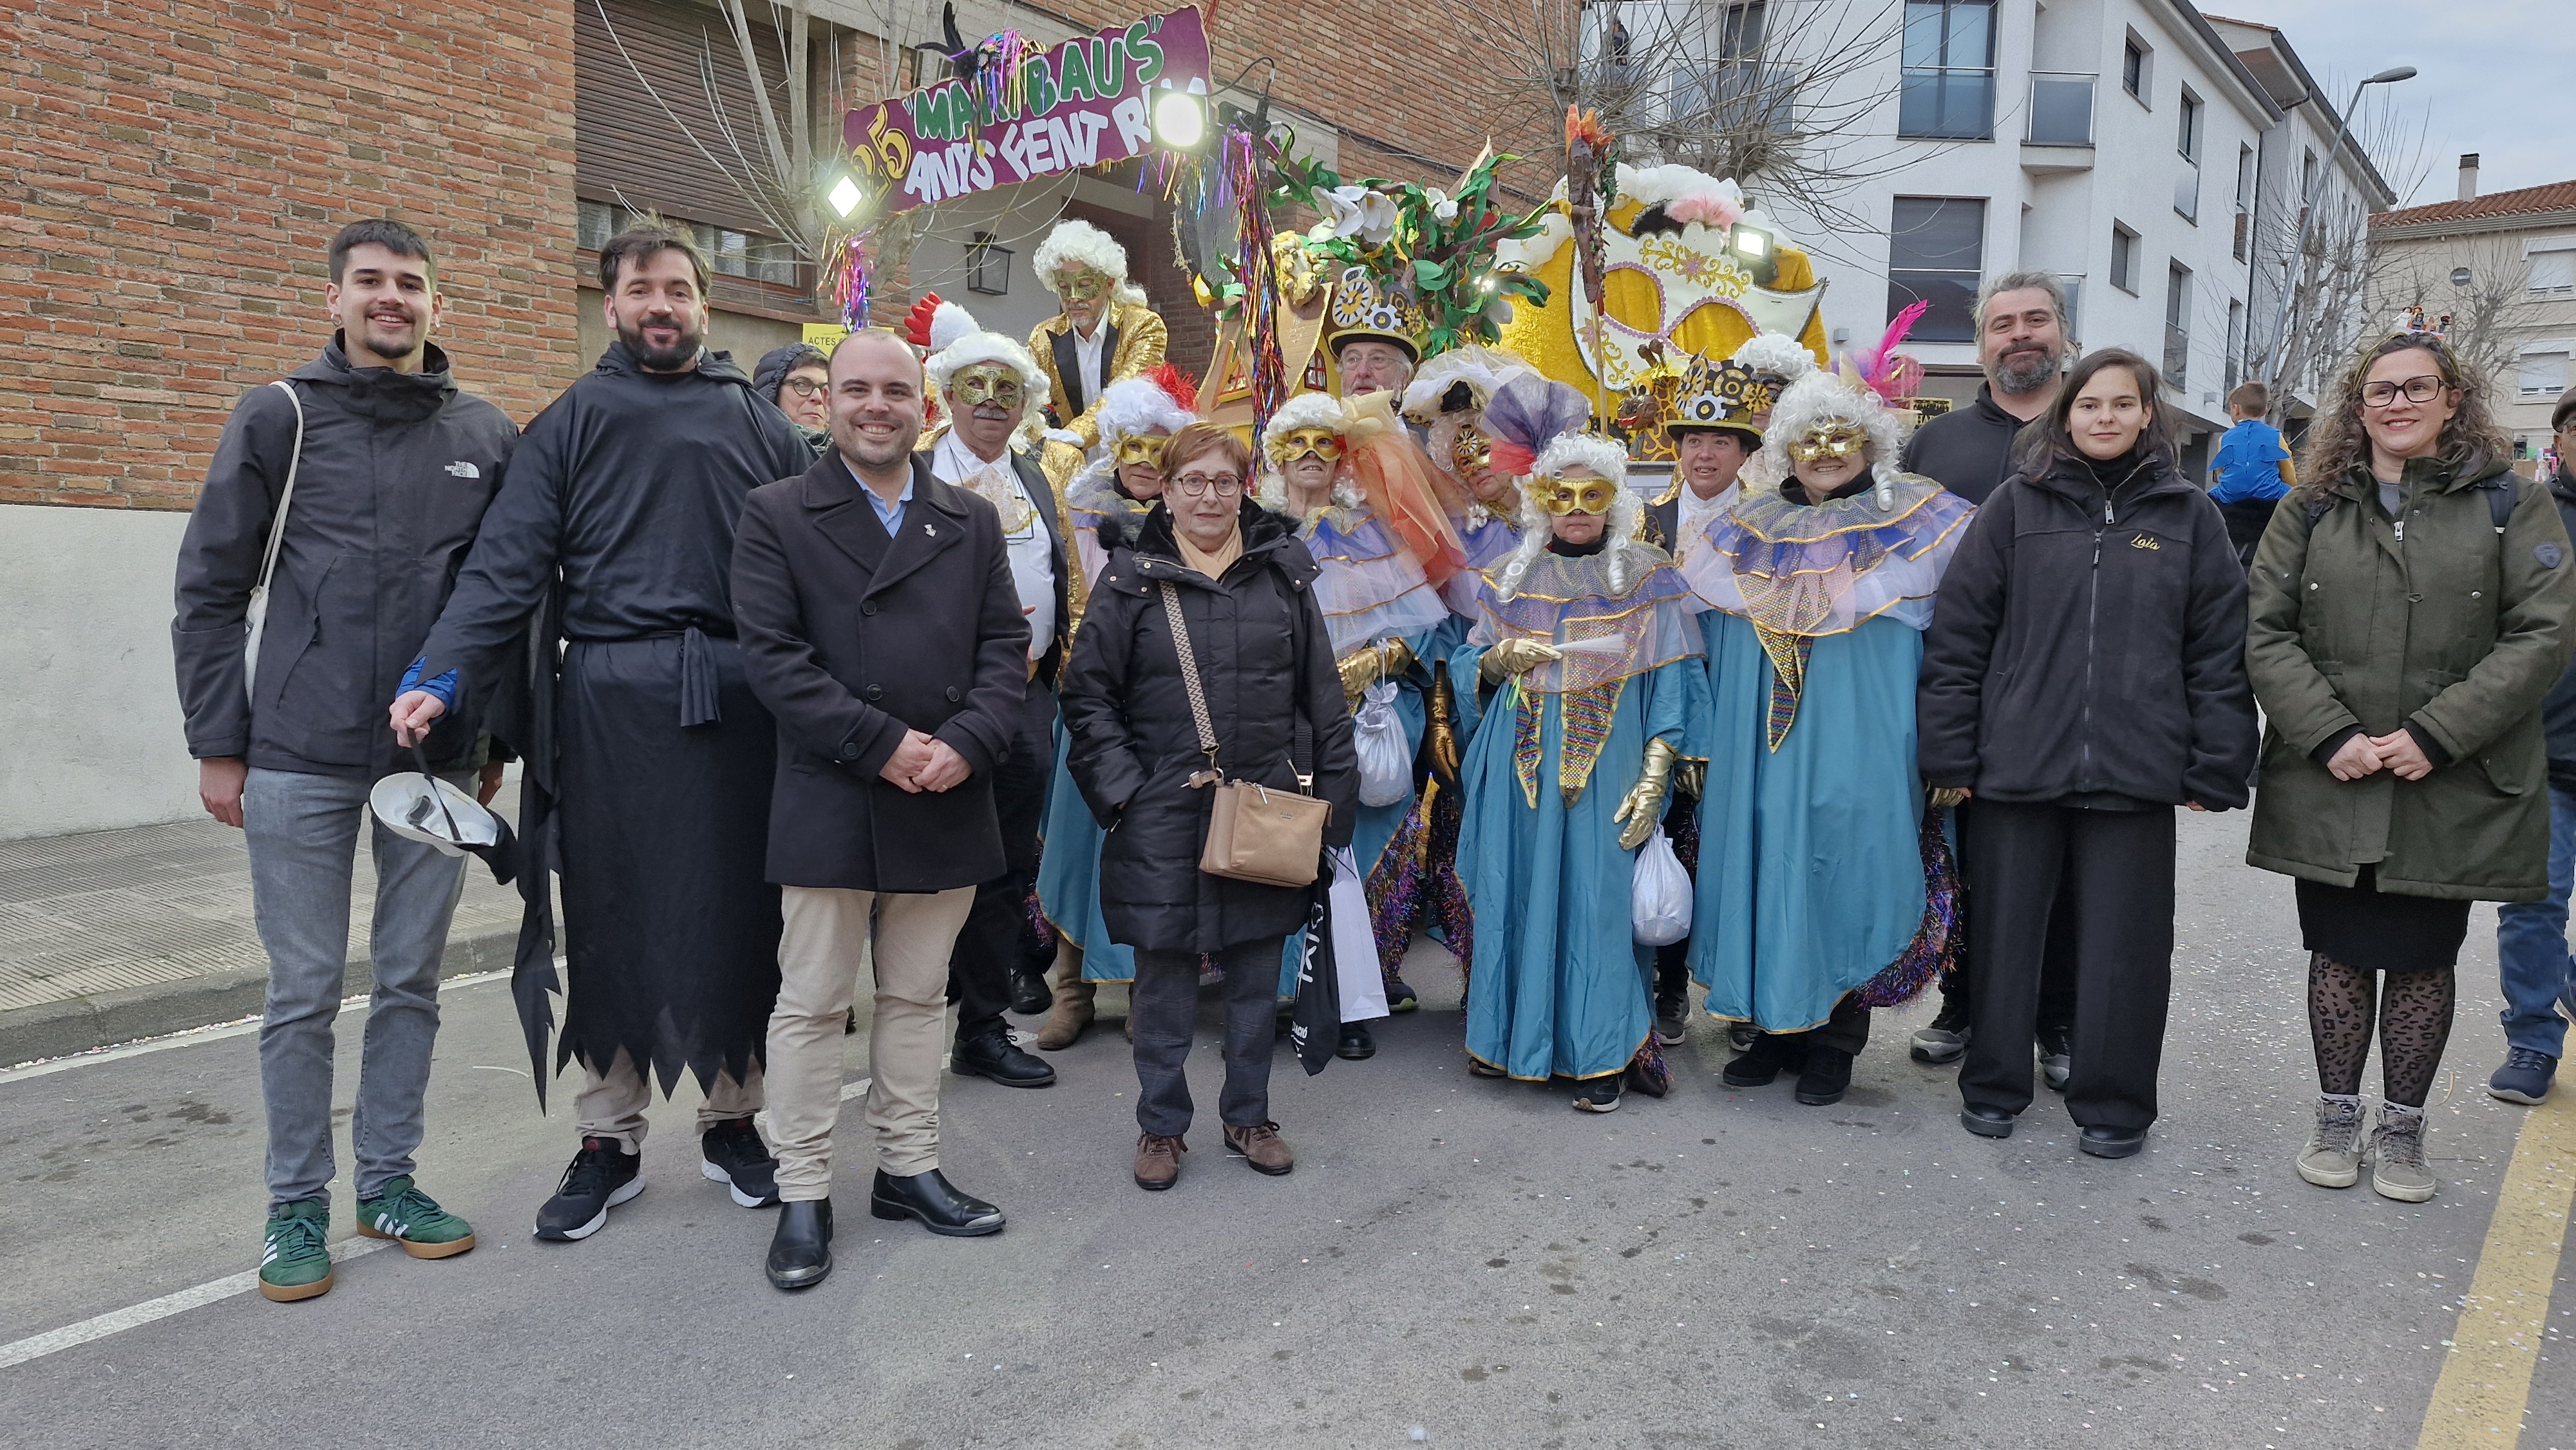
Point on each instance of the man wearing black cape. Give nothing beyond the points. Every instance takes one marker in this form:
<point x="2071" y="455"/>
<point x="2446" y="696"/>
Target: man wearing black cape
<point x="648" y="749"/>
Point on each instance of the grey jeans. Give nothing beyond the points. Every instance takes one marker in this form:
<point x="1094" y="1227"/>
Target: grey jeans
<point x="1164" y="1010"/>
<point x="303" y="832"/>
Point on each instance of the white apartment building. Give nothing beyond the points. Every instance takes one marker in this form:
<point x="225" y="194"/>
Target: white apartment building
<point x="2124" y="145"/>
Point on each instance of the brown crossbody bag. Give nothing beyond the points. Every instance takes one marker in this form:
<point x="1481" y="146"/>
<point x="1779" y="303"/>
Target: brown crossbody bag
<point x="1255" y="833"/>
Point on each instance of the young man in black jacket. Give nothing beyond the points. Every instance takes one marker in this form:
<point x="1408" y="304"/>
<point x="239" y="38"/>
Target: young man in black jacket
<point x="2538" y="976"/>
<point x="391" y="466"/>
<point x="2022" y="345"/>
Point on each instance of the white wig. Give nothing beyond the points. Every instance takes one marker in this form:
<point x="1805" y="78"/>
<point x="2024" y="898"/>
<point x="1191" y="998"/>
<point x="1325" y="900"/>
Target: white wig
<point x="1306" y="410"/>
<point x="1077" y="242"/>
<point x="1134" y="406"/>
<point x="1814" y="401"/>
<point x="1776" y="354"/>
<point x="1626" y="559"/>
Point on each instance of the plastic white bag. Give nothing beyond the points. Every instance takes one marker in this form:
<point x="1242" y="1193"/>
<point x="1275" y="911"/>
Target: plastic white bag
<point x="1355" y="944"/>
<point x="1660" y="894"/>
<point x="1386" y="766"/>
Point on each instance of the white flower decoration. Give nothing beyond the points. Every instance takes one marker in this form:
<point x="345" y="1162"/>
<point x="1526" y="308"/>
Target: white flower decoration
<point x="1443" y="206"/>
<point x="1362" y="213"/>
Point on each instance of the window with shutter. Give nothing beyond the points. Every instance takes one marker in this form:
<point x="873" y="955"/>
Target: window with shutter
<point x="2553" y="272"/>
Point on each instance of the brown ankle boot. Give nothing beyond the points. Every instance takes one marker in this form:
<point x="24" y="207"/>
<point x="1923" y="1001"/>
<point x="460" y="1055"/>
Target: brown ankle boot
<point x="1261" y="1146"/>
<point x="1064" y="1025"/>
<point x="1158" y="1161"/>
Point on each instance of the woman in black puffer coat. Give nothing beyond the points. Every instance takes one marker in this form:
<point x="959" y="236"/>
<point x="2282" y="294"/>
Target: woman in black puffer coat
<point x="1265" y="661"/>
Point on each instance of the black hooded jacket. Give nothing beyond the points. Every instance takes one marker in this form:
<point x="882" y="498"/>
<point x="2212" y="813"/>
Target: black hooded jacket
<point x="397" y="471"/>
<point x="2088" y="648"/>
<point x="2558" y="712"/>
<point x="1966" y="450"/>
<point x="1265" y="657"/>
<point x="629" y="484"/>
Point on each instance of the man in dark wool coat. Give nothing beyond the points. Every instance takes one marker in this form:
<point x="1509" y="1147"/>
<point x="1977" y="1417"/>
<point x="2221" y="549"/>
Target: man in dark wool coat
<point x="651" y="753"/>
<point x="882" y="624"/>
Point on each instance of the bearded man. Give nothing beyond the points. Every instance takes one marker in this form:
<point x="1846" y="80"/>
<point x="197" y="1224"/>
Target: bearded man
<point x="651" y="753"/>
<point x="1104" y="331"/>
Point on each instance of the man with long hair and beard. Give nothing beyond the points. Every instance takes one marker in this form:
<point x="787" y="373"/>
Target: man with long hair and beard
<point x="649" y="752"/>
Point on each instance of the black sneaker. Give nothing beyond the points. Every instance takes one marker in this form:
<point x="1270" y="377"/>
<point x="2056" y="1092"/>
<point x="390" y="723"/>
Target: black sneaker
<point x="735" y="1157"/>
<point x="1772" y="1054"/>
<point x="600" y="1177"/>
<point x="1946" y="1038"/>
<point x="1600" y="1094"/>
<point x="1826" y="1077"/>
<point x="1672" y="1020"/>
<point x="1400" y="996"/>
<point x="1357" y="1045"/>
<point x="2056" y="1057"/>
<point x="1742" y="1035"/>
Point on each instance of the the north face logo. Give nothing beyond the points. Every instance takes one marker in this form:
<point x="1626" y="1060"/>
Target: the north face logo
<point x="463" y="469"/>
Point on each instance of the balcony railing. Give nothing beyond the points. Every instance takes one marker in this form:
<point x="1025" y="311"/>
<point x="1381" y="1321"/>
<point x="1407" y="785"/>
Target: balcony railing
<point x="2061" y="109"/>
<point x="1947" y="103"/>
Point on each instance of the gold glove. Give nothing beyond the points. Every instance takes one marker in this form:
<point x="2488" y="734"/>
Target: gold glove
<point x="1515" y="657"/>
<point x="1444" y="729"/>
<point x="1691" y="778"/>
<point x="1643" y="808"/>
<point x="1947" y="797"/>
<point x="1364" y="667"/>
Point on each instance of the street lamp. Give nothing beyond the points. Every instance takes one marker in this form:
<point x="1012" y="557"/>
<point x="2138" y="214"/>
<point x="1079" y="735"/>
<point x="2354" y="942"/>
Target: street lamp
<point x="2307" y="212"/>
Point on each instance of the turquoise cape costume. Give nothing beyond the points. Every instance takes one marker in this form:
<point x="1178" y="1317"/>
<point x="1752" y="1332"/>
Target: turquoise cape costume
<point x="1558" y="986"/>
<point x="1812" y="857"/>
<point x="1069" y="867"/>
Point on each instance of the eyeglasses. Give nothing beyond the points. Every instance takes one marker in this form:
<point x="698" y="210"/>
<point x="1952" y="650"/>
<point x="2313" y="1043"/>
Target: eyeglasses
<point x="1562" y="496"/>
<point x="1198" y="485"/>
<point x="2417" y="390"/>
<point x="1135" y="448"/>
<point x="807" y="387"/>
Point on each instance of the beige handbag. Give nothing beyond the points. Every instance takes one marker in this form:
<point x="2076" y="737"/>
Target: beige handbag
<point x="1255" y="833"/>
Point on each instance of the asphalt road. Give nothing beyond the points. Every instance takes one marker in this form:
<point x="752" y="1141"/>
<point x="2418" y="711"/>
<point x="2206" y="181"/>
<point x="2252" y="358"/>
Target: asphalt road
<point x="1469" y="1260"/>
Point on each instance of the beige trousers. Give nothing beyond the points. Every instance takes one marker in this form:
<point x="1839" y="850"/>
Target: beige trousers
<point x="828" y="932"/>
<point x="612" y="1103"/>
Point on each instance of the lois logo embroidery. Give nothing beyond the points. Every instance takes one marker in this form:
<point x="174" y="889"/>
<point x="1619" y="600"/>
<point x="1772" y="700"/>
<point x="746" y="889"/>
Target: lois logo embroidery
<point x="2145" y="541"/>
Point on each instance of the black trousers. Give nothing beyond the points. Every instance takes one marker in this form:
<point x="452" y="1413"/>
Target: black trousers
<point x="2120" y="865"/>
<point x="979" y="967"/>
<point x="1164" y="1011"/>
<point x="2057" y="962"/>
<point x="1847" y="1029"/>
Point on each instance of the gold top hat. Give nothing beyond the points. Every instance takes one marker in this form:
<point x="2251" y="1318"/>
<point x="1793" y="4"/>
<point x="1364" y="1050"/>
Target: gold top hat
<point x="1364" y="305"/>
<point x="1721" y="395"/>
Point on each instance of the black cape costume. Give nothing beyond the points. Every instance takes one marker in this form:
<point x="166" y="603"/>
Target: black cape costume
<point x="649" y="763"/>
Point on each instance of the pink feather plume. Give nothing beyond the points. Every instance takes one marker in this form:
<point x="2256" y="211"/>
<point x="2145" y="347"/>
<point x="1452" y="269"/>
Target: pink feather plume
<point x="1891" y="374"/>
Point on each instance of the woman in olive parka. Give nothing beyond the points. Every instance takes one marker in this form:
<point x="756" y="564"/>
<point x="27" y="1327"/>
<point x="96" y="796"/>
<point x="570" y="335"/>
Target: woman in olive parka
<point x="2408" y="608"/>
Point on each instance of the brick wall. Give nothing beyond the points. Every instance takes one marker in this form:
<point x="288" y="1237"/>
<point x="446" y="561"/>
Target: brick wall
<point x="177" y="168"/>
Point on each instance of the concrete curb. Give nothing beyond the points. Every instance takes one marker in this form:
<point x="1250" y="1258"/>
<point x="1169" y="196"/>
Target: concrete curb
<point x="57" y="1029"/>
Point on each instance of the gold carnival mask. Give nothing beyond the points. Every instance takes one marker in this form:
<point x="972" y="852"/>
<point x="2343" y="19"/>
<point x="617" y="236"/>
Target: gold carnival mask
<point x="1135" y="448"/>
<point x="982" y="383"/>
<point x="1471" y="453"/>
<point x="1562" y="496"/>
<point x="1324" y="443"/>
<point x="1830" y="440"/>
<point x="1083" y="284"/>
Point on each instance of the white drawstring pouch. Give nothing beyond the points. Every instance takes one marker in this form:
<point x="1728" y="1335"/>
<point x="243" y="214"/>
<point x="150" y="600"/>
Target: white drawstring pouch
<point x="1386" y="765"/>
<point x="1660" y="894"/>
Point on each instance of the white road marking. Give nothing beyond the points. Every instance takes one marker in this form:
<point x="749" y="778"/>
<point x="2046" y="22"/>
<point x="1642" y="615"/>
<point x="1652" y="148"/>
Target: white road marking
<point x="117" y="1321"/>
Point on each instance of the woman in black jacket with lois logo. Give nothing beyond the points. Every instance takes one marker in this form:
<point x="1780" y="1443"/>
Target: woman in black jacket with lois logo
<point x="2084" y="674"/>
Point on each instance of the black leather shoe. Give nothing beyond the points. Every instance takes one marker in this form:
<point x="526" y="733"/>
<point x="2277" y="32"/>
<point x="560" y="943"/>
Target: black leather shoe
<point x="1030" y="994"/>
<point x="1356" y="1045"/>
<point x="800" y="1252"/>
<point x="992" y="1054"/>
<point x="1770" y="1055"/>
<point x="1986" y="1122"/>
<point x="1826" y="1077"/>
<point x="941" y="1209"/>
<point x="2112" y="1142"/>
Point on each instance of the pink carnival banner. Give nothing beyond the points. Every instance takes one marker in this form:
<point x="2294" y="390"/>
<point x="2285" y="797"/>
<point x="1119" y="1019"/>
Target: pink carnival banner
<point x="1029" y="110"/>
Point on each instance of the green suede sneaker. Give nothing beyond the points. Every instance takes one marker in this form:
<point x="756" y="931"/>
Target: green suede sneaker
<point x="297" y="1264"/>
<point x="414" y="1220"/>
